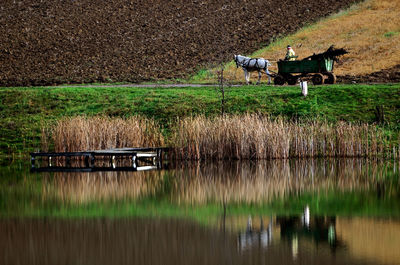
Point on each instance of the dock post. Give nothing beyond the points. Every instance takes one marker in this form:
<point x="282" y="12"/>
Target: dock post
<point x="92" y="160"/>
<point x="159" y="154"/>
<point x="134" y="159"/>
<point x="86" y="160"/>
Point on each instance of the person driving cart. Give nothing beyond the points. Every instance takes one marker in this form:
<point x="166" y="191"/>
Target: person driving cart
<point x="290" y="55"/>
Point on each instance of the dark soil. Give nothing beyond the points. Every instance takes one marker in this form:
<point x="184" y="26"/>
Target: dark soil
<point x="391" y="75"/>
<point x="73" y="41"/>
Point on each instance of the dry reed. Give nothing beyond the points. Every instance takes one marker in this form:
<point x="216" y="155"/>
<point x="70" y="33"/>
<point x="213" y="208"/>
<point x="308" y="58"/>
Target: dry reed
<point x="225" y="137"/>
<point x="259" y="137"/>
<point x="84" y="133"/>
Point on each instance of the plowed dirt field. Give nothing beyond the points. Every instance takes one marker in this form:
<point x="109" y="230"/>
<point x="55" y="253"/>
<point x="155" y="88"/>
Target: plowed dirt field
<point x="391" y="75"/>
<point x="73" y="41"/>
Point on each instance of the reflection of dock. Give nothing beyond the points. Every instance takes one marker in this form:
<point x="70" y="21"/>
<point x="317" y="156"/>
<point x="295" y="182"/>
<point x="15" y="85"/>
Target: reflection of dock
<point x="151" y="157"/>
<point x="94" y="169"/>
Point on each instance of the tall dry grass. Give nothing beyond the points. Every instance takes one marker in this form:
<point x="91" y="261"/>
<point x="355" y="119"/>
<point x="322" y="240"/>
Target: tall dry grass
<point x="260" y="137"/>
<point x="225" y="137"/>
<point x="94" y="133"/>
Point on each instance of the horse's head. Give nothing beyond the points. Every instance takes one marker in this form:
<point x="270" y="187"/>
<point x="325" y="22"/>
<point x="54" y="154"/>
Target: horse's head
<point x="236" y="60"/>
<point x="239" y="59"/>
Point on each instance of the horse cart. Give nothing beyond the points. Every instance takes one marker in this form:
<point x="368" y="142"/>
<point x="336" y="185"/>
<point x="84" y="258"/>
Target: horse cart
<point x="318" y="69"/>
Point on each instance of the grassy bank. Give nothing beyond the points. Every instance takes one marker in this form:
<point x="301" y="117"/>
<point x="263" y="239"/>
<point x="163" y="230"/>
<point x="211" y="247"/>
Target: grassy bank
<point x="24" y="111"/>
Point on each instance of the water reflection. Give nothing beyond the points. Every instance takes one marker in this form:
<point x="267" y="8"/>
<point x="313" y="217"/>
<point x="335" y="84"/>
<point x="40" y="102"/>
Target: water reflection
<point x="281" y="240"/>
<point x="364" y="239"/>
<point x="320" y="230"/>
<point x="267" y="180"/>
<point x="100" y="186"/>
<point x="253" y="237"/>
<point x="233" y="182"/>
<point x="60" y="164"/>
<point x="241" y="235"/>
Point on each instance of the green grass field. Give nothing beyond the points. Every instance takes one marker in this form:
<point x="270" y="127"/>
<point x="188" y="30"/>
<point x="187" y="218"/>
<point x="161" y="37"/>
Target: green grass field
<point x="23" y="111"/>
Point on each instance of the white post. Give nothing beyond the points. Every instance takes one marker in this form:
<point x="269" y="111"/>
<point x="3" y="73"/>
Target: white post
<point x="304" y="88"/>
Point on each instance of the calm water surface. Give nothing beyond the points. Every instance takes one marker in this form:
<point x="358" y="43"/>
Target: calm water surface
<point x="276" y="212"/>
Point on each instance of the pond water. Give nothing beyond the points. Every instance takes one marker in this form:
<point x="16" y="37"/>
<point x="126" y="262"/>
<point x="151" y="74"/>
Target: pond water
<point x="266" y="212"/>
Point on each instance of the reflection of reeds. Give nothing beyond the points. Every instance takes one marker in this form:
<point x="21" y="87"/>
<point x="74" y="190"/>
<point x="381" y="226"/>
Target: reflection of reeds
<point x="259" y="137"/>
<point x="267" y="180"/>
<point x="233" y="182"/>
<point x="83" y="133"/>
<point x="101" y="186"/>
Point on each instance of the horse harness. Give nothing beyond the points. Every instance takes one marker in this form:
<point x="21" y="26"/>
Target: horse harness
<point x="256" y="65"/>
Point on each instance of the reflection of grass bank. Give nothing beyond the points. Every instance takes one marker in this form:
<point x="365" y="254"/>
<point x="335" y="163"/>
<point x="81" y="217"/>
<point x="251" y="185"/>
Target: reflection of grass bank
<point x="347" y="204"/>
<point x="24" y="110"/>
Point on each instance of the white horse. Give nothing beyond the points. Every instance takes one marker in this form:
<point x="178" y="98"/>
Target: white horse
<point x="253" y="64"/>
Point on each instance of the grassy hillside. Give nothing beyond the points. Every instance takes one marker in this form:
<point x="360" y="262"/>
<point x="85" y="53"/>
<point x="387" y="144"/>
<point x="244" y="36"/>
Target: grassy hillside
<point x="23" y="111"/>
<point x="369" y="30"/>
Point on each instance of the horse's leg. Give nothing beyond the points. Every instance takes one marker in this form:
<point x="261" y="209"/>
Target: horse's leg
<point x="246" y="76"/>
<point x="259" y="77"/>
<point x="269" y="75"/>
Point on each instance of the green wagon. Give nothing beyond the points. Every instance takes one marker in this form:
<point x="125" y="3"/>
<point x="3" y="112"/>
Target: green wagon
<point x="320" y="71"/>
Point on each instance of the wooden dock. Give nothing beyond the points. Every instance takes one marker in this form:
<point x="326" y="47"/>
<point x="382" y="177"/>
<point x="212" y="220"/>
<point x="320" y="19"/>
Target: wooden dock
<point x="148" y="155"/>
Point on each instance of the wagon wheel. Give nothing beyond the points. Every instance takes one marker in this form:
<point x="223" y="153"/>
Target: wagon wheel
<point x="317" y="79"/>
<point x="292" y="80"/>
<point x="279" y="80"/>
<point x="331" y="78"/>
